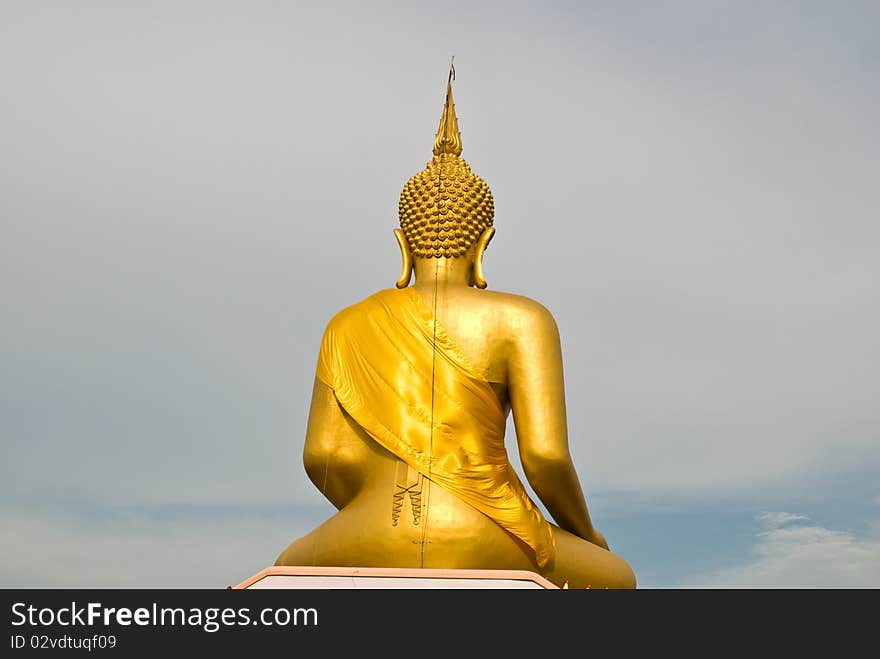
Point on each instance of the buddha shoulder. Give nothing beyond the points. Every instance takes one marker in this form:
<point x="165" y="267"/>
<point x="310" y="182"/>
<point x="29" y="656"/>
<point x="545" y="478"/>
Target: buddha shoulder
<point x="509" y="315"/>
<point x="518" y="314"/>
<point x="503" y="318"/>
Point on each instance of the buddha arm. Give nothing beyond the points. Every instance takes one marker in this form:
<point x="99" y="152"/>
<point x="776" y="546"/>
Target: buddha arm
<point x="333" y="452"/>
<point x="537" y="398"/>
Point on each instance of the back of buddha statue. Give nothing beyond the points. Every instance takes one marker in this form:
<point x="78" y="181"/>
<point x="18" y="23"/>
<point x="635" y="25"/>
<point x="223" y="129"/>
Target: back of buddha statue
<point x="412" y="393"/>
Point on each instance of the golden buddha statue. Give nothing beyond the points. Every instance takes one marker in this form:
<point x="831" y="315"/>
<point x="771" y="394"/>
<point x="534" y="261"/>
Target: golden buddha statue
<point x="408" y="414"/>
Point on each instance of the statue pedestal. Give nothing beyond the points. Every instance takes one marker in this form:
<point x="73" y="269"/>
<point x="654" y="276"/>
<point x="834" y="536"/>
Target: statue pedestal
<point x="393" y="578"/>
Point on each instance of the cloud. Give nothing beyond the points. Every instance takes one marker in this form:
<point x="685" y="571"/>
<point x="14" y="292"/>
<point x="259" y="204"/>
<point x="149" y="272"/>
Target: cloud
<point x="798" y="555"/>
<point x="778" y="519"/>
<point x="143" y="548"/>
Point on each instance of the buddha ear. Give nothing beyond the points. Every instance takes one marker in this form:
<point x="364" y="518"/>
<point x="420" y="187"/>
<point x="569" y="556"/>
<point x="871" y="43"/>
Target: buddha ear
<point x="406" y="264"/>
<point x="482" y="243"/>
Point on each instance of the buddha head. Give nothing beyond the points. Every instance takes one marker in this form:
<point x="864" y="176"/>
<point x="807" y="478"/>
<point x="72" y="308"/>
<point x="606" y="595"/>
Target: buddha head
<point x="446" y="211"/>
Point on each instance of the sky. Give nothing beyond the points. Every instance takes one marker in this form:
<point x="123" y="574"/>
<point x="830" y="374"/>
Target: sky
<point x="189" y="191"/>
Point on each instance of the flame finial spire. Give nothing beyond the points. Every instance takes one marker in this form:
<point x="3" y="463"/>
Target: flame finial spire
<point x="448" y="139"/>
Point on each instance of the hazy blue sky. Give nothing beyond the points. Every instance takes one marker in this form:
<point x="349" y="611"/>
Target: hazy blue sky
<point x="190" y="190"/>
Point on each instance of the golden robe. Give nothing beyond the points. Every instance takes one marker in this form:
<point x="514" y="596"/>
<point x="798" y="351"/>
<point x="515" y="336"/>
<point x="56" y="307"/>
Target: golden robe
<point x="402" y="379"/>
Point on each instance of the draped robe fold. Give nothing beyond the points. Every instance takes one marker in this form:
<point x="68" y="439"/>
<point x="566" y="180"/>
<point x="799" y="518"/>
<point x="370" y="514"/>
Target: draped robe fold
<point x="397" y="373"/>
